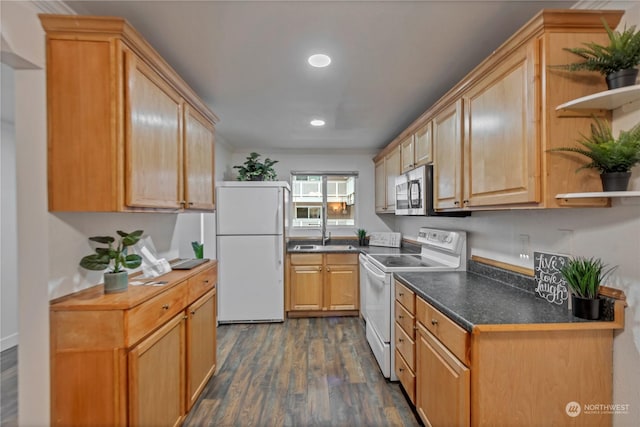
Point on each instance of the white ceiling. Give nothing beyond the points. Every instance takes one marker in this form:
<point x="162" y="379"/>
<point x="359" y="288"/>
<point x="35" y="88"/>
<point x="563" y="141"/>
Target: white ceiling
<point x="391" y="60"/>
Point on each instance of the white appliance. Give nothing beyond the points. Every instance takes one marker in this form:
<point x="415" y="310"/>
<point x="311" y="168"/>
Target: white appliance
<point x="413" y="190"/>
<point x="441" y="250"/>
<point x="251" y="221"/>
<point x="383" y="238"/>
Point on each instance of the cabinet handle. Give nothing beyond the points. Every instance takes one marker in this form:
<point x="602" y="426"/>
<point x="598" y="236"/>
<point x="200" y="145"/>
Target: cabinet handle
<point x="186" y="317"/>
<point x="206" y="281"/>
<point x="193" y="312"/>
<point x="401" y="369"/>
<point x="434" y="321"/>
<point x="328" y="269"/>
<point x="165" y="307"/>
<point x="415" y="328"/>
<point x="319" y="268"/>
<point x="400" y="294"/>
<point x="456" y="203"/>
<point x="465" y="201"/>
<point x="400" y="340"/>
<point x="400" y="316"/>
<point x="182" y="203"/>
<point x="190" y="203"/>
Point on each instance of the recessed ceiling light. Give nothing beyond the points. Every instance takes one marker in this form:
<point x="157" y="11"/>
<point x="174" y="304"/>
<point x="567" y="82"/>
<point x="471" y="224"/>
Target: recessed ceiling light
<point x="317" y="122"/>
<point x="319" y="60"/>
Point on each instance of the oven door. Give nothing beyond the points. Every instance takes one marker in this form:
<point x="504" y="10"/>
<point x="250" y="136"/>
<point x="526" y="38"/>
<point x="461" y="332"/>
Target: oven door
<point x="378" y="301"/>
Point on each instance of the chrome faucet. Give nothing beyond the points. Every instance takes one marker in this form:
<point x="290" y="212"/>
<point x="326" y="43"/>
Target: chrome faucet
<point x="325" y="237"/>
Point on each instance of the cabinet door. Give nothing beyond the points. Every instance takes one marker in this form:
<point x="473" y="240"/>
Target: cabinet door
<point x="153" y="141"/>
<point x="306" y="287"/>
<point x="422" y="142"/>
<point x="500" y="139"/>
<point x="381" y="187"/>
<point x="156" y="377"/>
<point x="201" y="345"/>
<point x="392" y="170"/>
<point x="198" y="161"/>
<point x="442" y="384"/>
<point x="447" y="147"/>
<point x="407" y="154"/>
<point x="341" y="287"/>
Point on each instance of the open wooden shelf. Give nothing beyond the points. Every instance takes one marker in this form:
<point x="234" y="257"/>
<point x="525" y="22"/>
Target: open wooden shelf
<point x="607" y="100"/>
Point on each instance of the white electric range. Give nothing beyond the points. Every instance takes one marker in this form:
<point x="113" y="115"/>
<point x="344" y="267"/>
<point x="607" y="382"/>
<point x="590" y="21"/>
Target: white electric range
<point x="442" y="250"/>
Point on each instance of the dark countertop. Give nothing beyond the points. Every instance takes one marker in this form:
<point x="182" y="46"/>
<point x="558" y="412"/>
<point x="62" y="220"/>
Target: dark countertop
<point x="472" y="300"/>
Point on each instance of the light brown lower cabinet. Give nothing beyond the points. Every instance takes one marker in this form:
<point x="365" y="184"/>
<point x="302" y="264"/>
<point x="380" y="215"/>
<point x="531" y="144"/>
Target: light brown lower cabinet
<point x="139" y="357"/>
<point x="323" y="283"/>
<point x="511" y="375"/>
<point x="443" y="390"/>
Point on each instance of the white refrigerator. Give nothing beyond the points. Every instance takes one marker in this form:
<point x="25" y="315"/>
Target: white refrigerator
<point x="251" y="222"/>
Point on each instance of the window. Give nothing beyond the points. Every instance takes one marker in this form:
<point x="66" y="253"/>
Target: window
<point x="318" y="197"/>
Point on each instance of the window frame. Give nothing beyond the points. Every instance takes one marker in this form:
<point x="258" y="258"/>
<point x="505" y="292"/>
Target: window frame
<point x="324" y="213"/>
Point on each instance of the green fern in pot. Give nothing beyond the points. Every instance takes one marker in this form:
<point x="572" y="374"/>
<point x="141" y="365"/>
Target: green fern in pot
<point x="616" y="61"/>
<point x="613" y="157"/>
<point x="584" y="276"/>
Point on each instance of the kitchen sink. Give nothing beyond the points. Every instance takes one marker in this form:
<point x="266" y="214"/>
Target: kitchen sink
<point x="326" y="248"/>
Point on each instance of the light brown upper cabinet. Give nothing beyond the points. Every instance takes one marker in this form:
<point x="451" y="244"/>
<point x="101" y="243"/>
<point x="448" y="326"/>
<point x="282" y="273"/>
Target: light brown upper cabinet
<point x="387" y="168"/>
<point x="125" y="132"/>
<point x="198" y="162"/>
<point x="500" y="165"/>
<point x="407" y="147"/>
<point x="492" y="131"/>
<point x="416" y="148"/>
<point x="447" y="141"/>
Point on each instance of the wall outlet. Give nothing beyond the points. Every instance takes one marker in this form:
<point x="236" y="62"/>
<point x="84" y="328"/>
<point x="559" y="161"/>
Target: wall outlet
<point x="525" y="247"/>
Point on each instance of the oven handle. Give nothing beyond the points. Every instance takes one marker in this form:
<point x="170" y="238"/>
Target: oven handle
<point x="374" y="273"/>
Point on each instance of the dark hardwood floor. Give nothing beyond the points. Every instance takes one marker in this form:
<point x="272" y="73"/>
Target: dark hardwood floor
<point x="303" y="372"/>
<point x="9" y="387"/>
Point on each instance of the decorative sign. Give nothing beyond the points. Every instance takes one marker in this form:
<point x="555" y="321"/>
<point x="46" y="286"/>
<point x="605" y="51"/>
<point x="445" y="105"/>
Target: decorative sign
<point x="550" y="284"/>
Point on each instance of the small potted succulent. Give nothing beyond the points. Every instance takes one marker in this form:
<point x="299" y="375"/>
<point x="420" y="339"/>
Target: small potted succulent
<point x="116" y="258"/>
<point x="255" y="170"/>
<point x="584" y="277"/>
<point x="362" y="236"/>
<point x="613" y="157"/>
<point x="616" y="61"/>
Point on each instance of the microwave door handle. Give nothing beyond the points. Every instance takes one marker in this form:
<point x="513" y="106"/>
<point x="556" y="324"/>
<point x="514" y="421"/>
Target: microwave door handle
<point x="409" y="185"/>
<point x="419" y="195"/>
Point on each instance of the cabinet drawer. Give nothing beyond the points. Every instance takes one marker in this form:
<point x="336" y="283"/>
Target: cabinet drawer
<point x="202" y="282"/>
<point x="151" y="314"/>
<point x="406" y="320"/>
<point x="337" y="259"/>
<point x="406" y="346"/>
<point x="451" y="335"/>
<point x="406" y="297"/>
<point x="406" y="376"/>
<point x="306" y="259"/>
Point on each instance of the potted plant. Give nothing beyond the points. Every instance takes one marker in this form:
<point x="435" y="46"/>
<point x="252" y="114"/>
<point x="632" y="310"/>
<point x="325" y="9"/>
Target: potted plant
<point x="255" y="170"/>
<point x="198" y="249"/>
<point x="613" y="157"/>
<point x="362" y="236"/>
<point x="616" y="61"/>
<point x="116" y="258"/>
<point x="584" y="277"/>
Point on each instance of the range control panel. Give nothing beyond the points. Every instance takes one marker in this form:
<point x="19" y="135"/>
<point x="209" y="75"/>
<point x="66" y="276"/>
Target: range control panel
<point x="391" y="240"/>
<point x="442" y="239"/>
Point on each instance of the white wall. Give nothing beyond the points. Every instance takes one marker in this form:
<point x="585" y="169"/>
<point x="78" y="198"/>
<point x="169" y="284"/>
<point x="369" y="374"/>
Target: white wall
<point x="312" y="160"/>
<point x="8" y="221"/>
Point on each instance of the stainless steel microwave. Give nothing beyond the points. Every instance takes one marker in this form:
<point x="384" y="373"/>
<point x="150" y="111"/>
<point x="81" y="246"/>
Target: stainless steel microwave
<point x="414" y="194"/>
